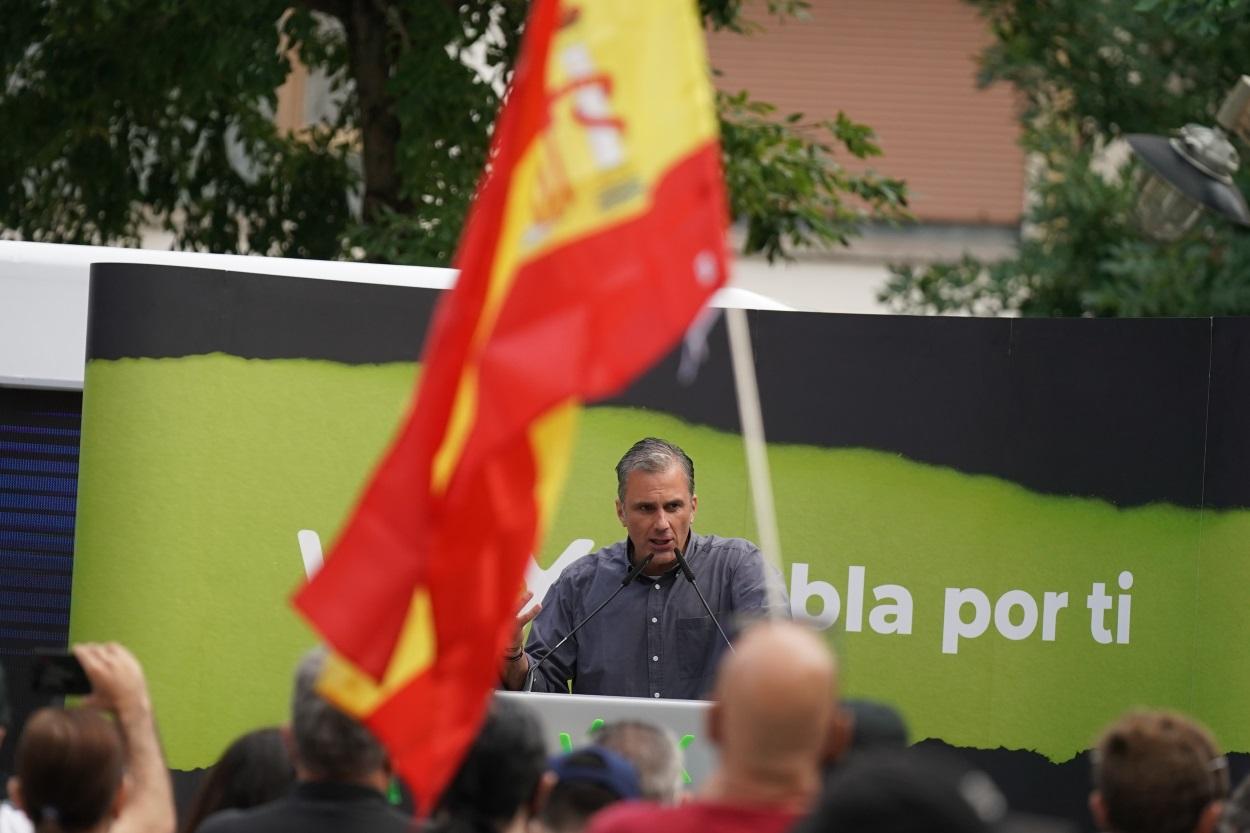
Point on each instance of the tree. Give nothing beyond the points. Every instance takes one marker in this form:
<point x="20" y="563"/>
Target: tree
<point x="1203" y="16"/>
<point x="1089" y="73"/>
<point x="127" y="113"/>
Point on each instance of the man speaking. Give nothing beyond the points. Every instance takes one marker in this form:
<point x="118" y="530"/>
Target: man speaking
<point x="654" y="637"/>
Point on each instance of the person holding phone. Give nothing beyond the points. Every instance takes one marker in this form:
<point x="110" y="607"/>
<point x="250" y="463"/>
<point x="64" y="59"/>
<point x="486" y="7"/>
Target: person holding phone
<point x="77" y="771"/>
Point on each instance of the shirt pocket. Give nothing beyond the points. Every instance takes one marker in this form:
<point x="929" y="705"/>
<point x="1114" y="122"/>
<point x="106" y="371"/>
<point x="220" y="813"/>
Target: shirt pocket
<point x="695" y="647"/>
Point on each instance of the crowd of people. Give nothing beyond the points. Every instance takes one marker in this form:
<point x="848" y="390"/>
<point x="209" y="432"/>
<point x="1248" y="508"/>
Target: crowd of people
<point x="791" y="757"/>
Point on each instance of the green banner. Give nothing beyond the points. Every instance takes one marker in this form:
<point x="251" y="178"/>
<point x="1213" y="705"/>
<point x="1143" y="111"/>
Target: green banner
<point x="1011" y="531"/>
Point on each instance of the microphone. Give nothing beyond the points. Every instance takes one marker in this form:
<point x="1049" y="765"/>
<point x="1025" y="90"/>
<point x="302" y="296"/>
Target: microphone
<point x="689" y="574"/>
<point x="633" y="573"/>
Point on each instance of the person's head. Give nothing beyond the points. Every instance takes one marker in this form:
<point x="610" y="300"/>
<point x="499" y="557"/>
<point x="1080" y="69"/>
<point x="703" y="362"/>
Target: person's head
<point x="327" y="745"/>
<point x="500" y="783"/>
<point x="652" y="750"/>
<point x="773" y="703"/>
<point x="587" y="780"/>
<point x="655" y="500"/>
<point x="907" y="791"/>
<point x="254" y="770"/>
<point x="1235" y="817"/>
<point x="1157" y="772"/>
<point x="875" y="725"/>
<point x="6" y="715"/>
<point x="860" y="726"/>
<point x="68" y="772"/>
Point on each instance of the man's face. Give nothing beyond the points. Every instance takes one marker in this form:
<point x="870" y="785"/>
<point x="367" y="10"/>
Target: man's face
<point x="657" y="511"/>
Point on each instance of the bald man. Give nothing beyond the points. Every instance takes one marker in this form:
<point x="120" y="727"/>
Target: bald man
<point x="773" y="704"/>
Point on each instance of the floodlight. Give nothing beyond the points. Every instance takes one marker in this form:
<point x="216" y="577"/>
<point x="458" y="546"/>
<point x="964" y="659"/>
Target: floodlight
<point x="1181" y="175"/>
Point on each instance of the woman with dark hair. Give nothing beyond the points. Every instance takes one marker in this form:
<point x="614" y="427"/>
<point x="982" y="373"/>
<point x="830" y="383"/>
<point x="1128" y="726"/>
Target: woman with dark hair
<point x="253" y="770"/>
<point x="69" y="769"/>
<point x="77" y="771"/>
<point x="502" y="783"/>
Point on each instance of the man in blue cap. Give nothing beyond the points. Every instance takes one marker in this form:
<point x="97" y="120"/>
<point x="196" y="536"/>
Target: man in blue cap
<point x="588" y="780"/>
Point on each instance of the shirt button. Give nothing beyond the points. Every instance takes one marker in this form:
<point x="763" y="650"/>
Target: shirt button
<point x="657" y="694"/>
<point x="653" y="619"/>
<point x="655" y="659"/>
<point x="657" y="587"/>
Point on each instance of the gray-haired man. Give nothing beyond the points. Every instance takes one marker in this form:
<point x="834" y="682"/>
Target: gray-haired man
<point x="654" y="753"/>
<point x="655" y="639"/>
<point x="342" y="773"/>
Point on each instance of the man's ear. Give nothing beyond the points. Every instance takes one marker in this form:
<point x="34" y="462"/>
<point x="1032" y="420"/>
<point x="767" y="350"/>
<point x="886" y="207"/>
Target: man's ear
<point x="712" y="723"/>
<point x="119" y="799"/>
<point x="841" y="734"/>
<point x="1098" y="810"/>
<point x="542" y="792"/>
<point x="694" y="505"/>
<point x="1210" y="818"/>
<point x="288" y="740"/>
<point x="620" y="512"/>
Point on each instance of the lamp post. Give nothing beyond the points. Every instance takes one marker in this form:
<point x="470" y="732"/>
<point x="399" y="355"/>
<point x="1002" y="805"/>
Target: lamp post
<point x="1193" y="170"/>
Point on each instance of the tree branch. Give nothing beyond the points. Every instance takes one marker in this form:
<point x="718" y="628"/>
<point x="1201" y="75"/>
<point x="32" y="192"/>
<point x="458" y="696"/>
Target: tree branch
<point x="369" y="60"/>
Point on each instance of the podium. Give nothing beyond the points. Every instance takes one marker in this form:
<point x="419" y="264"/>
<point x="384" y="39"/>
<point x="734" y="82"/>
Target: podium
<point x="567" y="720"/>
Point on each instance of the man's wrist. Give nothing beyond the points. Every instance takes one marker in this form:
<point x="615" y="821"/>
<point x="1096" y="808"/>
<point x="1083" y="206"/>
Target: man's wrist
<point x="134" y="712"/>
<point x="513" y="672"/>
<point x="514" y="657"/>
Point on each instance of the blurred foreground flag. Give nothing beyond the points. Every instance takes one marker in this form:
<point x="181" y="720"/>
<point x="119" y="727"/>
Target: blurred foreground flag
<point x="596" y="237"/>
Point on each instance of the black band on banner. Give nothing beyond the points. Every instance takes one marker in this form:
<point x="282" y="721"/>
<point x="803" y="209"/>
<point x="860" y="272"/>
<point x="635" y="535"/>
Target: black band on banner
<point x="1109" y="409"/>
<point x="157" y="311"/>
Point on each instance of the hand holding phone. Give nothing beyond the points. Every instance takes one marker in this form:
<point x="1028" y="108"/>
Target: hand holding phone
<point x="117" y="680"/>
<point x="59" y="674"/>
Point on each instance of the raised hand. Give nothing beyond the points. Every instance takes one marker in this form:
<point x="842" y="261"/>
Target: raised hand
<point x="515" y="662"/>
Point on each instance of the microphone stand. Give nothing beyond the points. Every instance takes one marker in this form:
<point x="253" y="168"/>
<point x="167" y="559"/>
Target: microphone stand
<point x="689" y="574"/>
<point x="633" y="573"/>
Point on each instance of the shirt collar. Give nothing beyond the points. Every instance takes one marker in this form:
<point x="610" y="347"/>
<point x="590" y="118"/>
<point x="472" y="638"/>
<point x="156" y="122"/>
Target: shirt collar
<point x="336" y="791"/>
<point x="692" y="544"/>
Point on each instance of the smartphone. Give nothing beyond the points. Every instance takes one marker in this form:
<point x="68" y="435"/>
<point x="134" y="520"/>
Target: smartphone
<point x="59" y="674"/>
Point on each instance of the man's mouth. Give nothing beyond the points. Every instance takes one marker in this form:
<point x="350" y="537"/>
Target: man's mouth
<point x="661" y="544"/>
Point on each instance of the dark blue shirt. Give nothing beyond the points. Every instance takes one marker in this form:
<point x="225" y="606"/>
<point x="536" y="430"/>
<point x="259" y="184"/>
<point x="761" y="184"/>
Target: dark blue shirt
<point x="654" y="639"/>
<point x="315" y="807"/>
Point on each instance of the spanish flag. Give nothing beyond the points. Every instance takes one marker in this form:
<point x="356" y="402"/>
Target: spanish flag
<point x="596" y="237"/>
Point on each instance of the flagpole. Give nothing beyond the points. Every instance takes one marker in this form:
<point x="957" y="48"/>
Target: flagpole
<point x="752" y="419"/>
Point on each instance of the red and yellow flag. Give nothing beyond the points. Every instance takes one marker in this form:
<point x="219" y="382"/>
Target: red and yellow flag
<point x="597" y="235"/>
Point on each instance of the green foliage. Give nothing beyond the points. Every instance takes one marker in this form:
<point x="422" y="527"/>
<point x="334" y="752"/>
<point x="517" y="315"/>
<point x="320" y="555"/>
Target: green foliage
<point x="125" y="114"/>
<point x="729" y="14"/>
<point x="1088" y="73"/>
<point x="445" y="111"/>
<point x="785" y="185"/>
<point x="1205" y="17"/>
